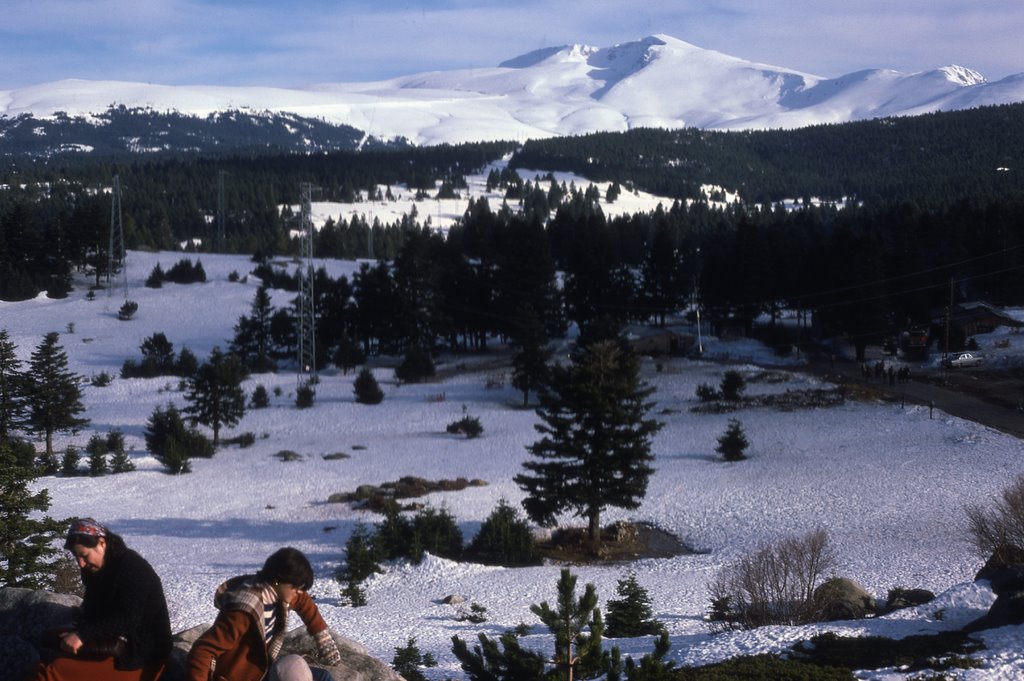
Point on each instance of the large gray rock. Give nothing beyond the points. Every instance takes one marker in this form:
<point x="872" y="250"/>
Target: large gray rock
<point x="1007" y="583"/>
<point x="843" y="599"/>
<point x="25" y="615"/>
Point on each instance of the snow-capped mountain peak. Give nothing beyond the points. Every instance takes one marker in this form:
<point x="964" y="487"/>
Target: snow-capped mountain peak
<point x="961" y="75"/>
<point x="656" y="81"/>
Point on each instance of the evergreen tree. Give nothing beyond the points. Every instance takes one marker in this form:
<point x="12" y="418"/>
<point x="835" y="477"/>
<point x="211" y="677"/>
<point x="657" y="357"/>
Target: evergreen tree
<point x="260" y="398"/>
<point x="157" y="356"/>
<point x="97" y="450"/>
<point x="55" y="398"/>
<point x="172" y="442"/>
<point x="366" y="388"/>
<point x="215" y="396"/>
<point x="283" y="333"/>
<point x="253" y="341"/>
<point x="26" y="538"/>
<point x="664" y="282"/>
<point x="504" y="539"/>
<point x="575" y="650"/>
<point x="187" y="364"/>
<point x="69" y="462"/>
<point x="631" y="614"/>
<point x="595" y="449"/>
<point x="733" y="442"/>
<point x="578" y="631"/>
<point x="732" y="386"/>
<point x="416" y="366"/>
<point x="13" y="407"/>
<point x="435" y="532"/>
<point x="361" y="562"/>
<point x="408" y="660"/>
<point x="305" y="394"/>
<point x="349" y="353"/>
<point x="119" y="460"/>
<point x="489" y="662"/>
<point x="530" y="361"/>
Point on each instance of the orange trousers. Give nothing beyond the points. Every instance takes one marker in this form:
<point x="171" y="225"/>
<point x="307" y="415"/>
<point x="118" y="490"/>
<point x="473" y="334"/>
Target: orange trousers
<point x="102" y="669"/>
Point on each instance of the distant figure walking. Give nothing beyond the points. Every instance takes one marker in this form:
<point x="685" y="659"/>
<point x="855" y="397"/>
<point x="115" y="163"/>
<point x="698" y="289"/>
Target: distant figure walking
<point x="245" y="641"/>
<point x="122" y="631"/>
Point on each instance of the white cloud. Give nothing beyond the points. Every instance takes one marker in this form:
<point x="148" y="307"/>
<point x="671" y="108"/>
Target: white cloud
<point x="250" y="42"/>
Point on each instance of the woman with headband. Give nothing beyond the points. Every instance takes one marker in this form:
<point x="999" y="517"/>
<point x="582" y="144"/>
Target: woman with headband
<point x="122" y="631"/>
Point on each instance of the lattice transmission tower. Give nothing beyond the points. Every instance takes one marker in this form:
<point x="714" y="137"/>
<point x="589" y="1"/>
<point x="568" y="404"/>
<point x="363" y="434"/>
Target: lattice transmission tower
<point x="307" y="315"/>
<point x="115" y="250"/>
<point x="220" y="245"/>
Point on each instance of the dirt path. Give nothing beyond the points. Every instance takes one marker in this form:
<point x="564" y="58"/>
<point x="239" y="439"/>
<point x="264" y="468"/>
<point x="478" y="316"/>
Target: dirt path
<point x="983" y="397"/>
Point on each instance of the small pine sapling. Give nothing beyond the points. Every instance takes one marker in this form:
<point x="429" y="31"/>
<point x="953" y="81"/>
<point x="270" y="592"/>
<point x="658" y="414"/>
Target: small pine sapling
<point x="469" y="426"/>
<point x="631" y="614"/>
<point x="304" y="396"/>
<point x="475" y="613"/>
<point x="361" y="561"/>
<point x="366" y="388"/>
<point x="260" y="398"/>
<point x="119" y="459"/>
<point x="733" y="384"/>
<point x="97" y="449"/>
<point x="69" y="463"/>
<point x="733" y="442"/>
<point x="408" y="660"/>
<point x="505" y="539"/>
<point x="128" y="310"/>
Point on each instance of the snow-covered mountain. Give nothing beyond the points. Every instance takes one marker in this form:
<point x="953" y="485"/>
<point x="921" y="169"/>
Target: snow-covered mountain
<point x="658" y="81"/>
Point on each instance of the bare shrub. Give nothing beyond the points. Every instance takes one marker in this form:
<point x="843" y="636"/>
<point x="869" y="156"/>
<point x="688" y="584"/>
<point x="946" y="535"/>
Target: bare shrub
<point x="773" y="585"/>
<point x="994" y="529"/>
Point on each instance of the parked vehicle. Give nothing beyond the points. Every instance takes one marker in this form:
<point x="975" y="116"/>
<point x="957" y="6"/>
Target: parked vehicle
<point x="960" y="360"/>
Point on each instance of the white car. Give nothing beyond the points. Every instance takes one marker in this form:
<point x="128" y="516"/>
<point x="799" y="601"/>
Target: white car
<point x="962" y="359"/>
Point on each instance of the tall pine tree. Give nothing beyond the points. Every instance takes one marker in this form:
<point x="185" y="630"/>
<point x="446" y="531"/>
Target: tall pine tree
<point x="215" y="396"/>
<point x="530" y="361"/>
<point x="595" y="449"/>
<point x="55" y="397"/>
<point x="13" y="408"/>
<point x="26" y="540"/>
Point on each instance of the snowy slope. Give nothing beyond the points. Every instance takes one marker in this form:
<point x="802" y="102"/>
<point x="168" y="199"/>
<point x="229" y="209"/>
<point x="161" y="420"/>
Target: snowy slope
<point x="658" y="81"/>
<point x="888" y="483"/>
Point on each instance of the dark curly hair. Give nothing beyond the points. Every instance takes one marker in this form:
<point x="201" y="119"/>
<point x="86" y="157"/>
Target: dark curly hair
<point x="288" y="565"/>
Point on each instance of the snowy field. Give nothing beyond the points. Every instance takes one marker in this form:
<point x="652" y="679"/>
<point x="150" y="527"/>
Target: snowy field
<point x="888" y="483"/>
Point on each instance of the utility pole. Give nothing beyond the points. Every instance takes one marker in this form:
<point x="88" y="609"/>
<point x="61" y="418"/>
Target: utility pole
<point x="949" y="313"/>
<point x="307" y="315"/>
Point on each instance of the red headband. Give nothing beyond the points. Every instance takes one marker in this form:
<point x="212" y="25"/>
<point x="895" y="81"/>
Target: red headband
<point x="87" y="527"/>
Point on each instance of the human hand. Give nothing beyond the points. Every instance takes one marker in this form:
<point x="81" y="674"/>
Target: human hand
<point x="70" y="642"/>
<point x="329" y="653"/>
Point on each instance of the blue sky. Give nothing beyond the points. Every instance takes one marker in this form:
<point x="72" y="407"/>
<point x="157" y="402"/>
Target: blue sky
<point x="302" y="42"/>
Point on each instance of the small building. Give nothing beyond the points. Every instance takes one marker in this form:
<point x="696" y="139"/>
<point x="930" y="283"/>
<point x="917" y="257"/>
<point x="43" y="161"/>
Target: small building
<point x="659" y="340"/>
<point x="975" y="317"/>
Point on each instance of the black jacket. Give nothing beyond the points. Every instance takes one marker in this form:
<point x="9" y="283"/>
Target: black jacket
<point x="126" y="599"/>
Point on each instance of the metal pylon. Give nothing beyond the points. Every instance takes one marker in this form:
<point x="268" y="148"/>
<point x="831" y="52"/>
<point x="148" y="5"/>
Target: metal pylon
<point x="307" y="315"/>
<point x="115" y="250"/>
<point x="220" y="245"/>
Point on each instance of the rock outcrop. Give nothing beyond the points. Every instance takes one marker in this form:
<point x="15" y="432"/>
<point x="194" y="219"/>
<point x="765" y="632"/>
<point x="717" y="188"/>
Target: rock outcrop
<point x="1005" y="573"/>
<point x="843" y="599"/>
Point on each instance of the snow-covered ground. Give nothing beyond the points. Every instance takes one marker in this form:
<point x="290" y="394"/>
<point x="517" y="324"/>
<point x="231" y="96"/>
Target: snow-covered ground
<point x="443" y="213"/>
<point x="888" y="483"/>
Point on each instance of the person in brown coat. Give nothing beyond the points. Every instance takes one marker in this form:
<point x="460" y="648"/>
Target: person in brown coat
<point x="245" y="641"/>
